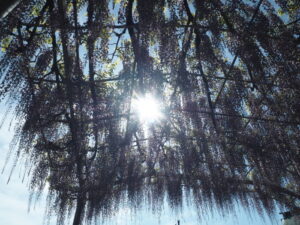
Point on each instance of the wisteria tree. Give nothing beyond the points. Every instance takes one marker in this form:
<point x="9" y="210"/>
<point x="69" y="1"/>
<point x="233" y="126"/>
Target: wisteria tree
<point x="225" y="75"/>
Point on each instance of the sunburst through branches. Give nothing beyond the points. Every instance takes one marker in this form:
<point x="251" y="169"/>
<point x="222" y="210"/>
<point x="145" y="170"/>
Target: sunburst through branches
<point x="147" y="108"/>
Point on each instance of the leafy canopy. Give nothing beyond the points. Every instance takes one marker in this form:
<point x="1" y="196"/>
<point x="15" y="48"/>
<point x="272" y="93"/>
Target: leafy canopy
<point x="226" y="73"/>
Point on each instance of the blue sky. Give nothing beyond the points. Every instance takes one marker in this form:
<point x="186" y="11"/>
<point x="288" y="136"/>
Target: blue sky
<point x="14" y="202"/>
<point x="14" y="195"/>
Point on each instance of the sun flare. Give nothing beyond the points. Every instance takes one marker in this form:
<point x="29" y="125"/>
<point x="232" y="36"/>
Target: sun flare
<point x="147" y="108"/>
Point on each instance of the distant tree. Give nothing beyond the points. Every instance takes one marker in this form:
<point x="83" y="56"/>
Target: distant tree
<point x="226" y="71"/>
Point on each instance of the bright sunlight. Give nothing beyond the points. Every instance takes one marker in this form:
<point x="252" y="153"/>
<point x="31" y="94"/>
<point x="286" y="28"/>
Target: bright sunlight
<point x="147" y="108"/>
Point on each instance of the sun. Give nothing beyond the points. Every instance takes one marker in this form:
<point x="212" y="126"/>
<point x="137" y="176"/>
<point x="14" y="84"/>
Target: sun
<point x="147" y="108"/>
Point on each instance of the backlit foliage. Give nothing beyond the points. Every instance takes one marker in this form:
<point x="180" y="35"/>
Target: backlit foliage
<point x="227" y="73"/>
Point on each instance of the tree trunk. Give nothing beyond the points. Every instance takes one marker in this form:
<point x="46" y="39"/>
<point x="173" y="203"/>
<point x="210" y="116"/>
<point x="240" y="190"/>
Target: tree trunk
<point x="79" y="211"/>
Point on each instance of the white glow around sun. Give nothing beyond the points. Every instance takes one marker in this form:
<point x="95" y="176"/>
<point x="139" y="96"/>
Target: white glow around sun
<point x="147" y="108"/>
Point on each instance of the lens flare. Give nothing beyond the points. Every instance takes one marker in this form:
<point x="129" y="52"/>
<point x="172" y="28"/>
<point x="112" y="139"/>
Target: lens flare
<point x="147" y="108"/>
